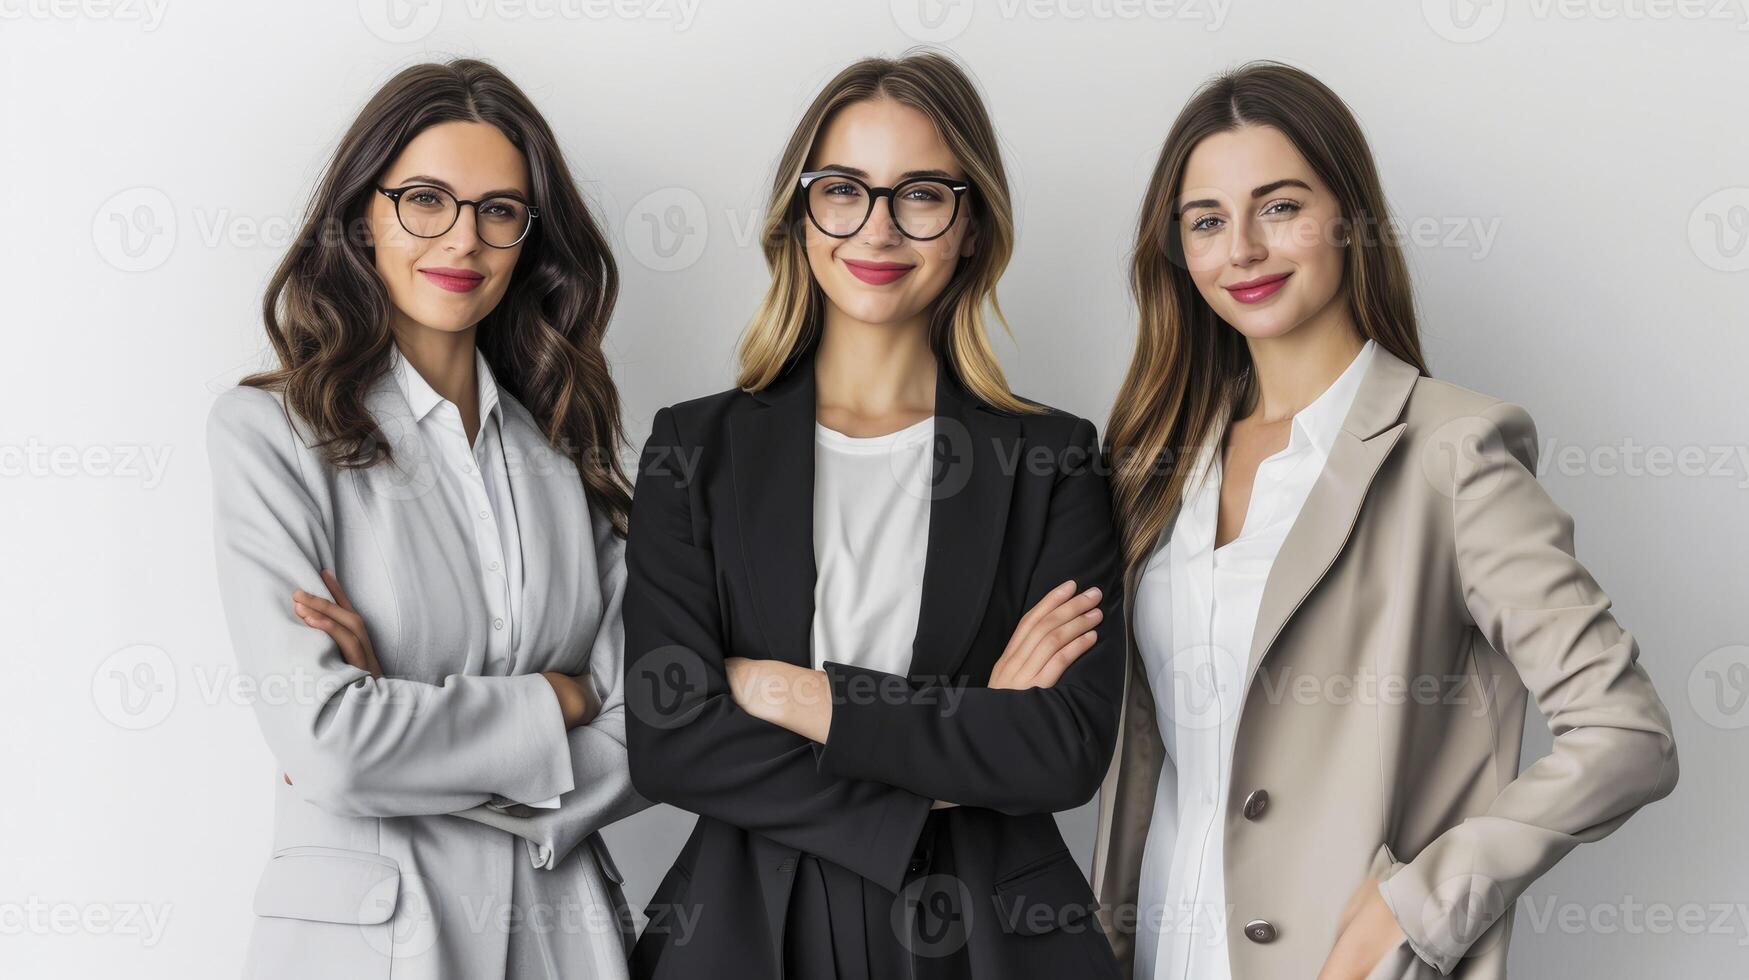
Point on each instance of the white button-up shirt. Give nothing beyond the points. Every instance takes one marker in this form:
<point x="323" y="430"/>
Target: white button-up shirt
<point x="1196" y="609"/>
<point x="475" y="481"/>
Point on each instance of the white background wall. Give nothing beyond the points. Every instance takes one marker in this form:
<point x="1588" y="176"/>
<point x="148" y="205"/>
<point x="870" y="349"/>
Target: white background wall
<point x="1574" y="179"/>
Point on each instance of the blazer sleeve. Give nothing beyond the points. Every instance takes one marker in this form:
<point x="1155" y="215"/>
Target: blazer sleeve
<point x="354" y="744"/>
<point x="1040" y="750"/>
<point x="603" y="792"/>
<point x="1613" y="748"/>
<point x="691" y="745"/>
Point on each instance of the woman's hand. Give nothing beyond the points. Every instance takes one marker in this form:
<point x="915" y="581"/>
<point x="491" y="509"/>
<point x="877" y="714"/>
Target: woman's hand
<point x="1366" y="934"/>
<point x="1048" y="639"/>
<point x="340" y="621"/>
<point x="578" y="700"/>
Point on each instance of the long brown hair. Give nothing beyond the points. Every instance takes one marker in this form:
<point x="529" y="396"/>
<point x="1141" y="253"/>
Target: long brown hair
<point x="1189" y="367"/>
<point x="327" y="311"/>
<point x="790" y="317"/>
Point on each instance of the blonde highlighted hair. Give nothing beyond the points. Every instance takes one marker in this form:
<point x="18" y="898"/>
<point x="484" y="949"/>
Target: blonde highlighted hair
<point x="789" y="318"/>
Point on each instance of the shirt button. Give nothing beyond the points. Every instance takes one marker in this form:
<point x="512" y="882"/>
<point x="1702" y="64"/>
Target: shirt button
<point x="1260" y="931"/>
<point x="485" y="514"/>
<point x="497" y="624"/>
<point x="493" y="566"/>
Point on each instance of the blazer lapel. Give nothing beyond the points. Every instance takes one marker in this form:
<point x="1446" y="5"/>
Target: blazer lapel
<point x="772" y="457"/>
<point x="976" y="454"/>
<point x="771" y="451"/>
<point x="1369" y="432"/>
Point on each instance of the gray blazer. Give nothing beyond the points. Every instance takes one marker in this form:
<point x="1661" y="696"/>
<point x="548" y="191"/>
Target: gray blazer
<point x="389" y="856"/>
<point x="1427" y="590"/>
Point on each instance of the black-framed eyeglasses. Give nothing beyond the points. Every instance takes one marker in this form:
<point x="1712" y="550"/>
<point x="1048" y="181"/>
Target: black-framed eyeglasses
<point x="428" y="211"/>
<point x="922" y="207"/>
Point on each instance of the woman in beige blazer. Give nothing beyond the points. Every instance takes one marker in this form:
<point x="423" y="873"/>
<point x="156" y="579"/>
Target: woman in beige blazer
<point x="1342" y="584"/>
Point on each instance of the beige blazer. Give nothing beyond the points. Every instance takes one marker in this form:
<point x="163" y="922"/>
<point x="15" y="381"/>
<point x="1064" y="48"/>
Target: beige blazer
<point x="1428" y="582"/>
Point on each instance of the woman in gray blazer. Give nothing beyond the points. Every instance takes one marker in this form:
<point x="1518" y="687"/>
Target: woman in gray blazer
<point x="436" y="454"/>
<point x="1342" y="592"/>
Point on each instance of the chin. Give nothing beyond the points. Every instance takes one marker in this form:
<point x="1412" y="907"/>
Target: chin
<point x="1263" y="324"/>
<point x="447" y="321"/>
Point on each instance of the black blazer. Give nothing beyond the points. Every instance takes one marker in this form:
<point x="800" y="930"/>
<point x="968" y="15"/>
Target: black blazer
<point x="720" y="562"/>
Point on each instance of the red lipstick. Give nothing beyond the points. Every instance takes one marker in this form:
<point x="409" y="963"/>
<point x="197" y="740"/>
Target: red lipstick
<point x="877" y="273"/>
<point x="1257" y="290"/>
<point x="454" y="280"/>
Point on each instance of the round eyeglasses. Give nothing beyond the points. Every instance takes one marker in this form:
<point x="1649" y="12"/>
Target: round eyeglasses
<point x="922" y="207"/>
<point x="427" y="211"/>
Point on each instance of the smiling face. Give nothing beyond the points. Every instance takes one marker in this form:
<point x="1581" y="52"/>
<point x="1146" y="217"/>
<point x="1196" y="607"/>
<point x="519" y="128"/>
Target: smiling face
<point x="451" y="282"/>
<point x="1262" y="235"/>
<point x="877" y="275"/>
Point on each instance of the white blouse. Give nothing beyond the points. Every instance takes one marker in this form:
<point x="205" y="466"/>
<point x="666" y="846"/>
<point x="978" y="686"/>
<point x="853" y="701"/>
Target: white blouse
<point x="1196" y="609"/>
<point x="871" y="537"/>
<point x="475" y="482"/>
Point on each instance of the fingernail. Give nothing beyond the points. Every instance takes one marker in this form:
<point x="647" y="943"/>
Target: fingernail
<point x="1094" y="591"/>
<point x="1068" y="586"/>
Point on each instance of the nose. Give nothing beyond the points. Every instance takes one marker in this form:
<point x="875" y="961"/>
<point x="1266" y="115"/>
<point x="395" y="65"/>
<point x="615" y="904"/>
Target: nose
<point x="1245" y="247"/>
<point x="464" y="235"/>
<point x="881" y="228"/>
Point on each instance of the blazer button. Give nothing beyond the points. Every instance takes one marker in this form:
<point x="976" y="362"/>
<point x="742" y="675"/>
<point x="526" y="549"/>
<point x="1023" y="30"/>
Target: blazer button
<point x="1256" y="803"/>
<point x="1260" y="931"/>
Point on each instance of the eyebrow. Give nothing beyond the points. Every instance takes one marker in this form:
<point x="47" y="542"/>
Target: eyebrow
<point x="440" y="182"/>
<point x="1269" y="188"/>
<point x="907" y="175"/>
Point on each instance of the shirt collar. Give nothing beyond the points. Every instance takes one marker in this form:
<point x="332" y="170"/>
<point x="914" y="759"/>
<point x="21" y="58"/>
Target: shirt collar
<point x="422" y="398"/>
<point x="1319" y="422"/>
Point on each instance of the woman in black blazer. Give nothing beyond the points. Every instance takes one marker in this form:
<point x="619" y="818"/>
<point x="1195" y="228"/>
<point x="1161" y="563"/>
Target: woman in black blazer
<point x="855" y="821"/>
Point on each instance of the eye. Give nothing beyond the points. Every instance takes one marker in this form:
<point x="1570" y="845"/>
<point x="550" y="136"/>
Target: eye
<point x="423" y="197"/>
<point x="1207" y="222"/>
<point x="843" y="189"/>
<point x="500" y="209"/>
<point x="1282" y="207"/>
<point x="923" y="192"/>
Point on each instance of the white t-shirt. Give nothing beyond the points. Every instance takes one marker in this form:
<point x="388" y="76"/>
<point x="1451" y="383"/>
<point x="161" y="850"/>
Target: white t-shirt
<point x="871" y="537"/>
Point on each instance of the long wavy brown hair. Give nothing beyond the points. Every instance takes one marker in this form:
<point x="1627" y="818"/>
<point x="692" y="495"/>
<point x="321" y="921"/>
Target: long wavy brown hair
<point x="791" y="315"/>
<point x="1190" y="367"/>
<point x="327" y="312"/>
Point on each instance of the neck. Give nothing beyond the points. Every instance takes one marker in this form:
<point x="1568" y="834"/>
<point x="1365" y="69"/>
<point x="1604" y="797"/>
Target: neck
<point x="874" y="370"/>
<point x="445" y="360"/>
<point x="1292" y="370"/>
